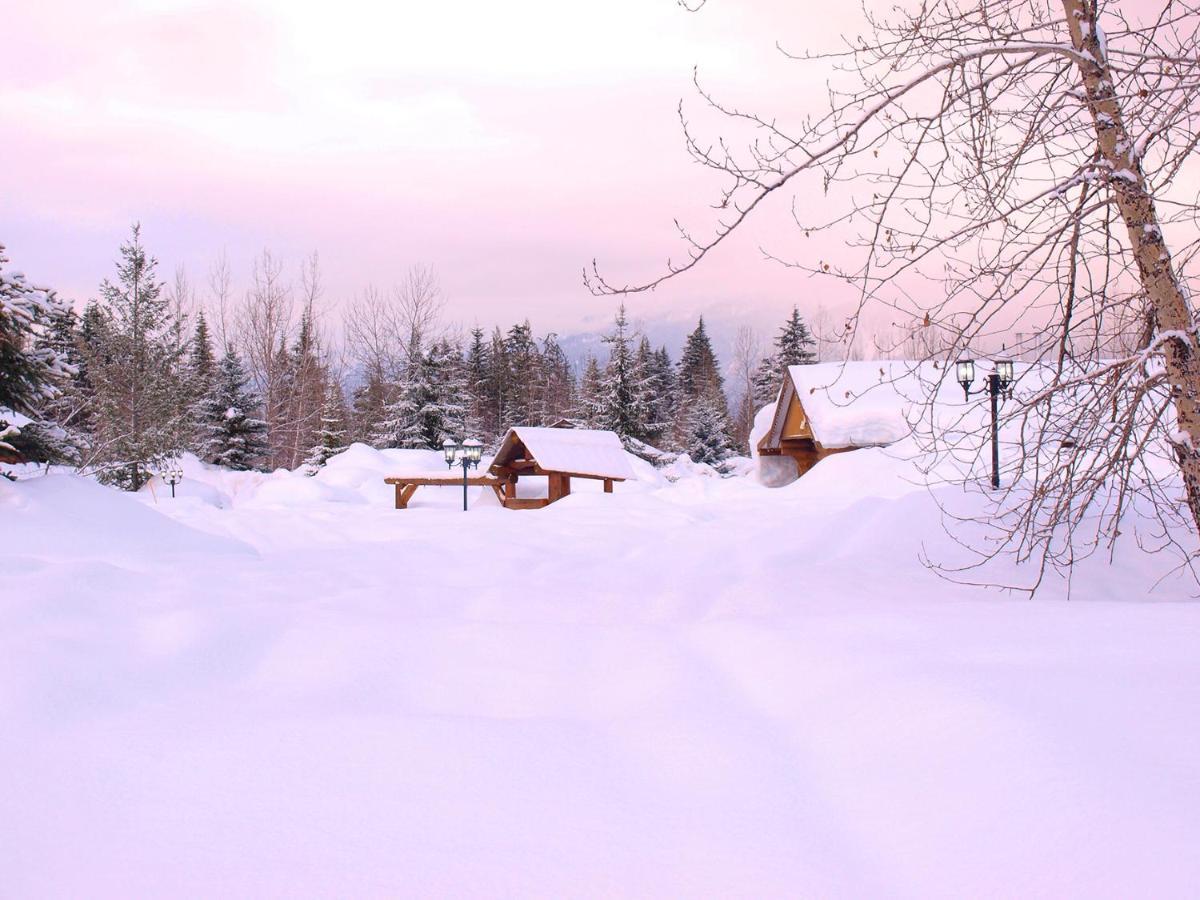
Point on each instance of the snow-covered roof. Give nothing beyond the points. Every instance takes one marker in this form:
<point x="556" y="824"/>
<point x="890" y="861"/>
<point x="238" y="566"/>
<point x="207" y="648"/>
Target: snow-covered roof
<point x="867" y="403"/>
<point x="581" y="451"/>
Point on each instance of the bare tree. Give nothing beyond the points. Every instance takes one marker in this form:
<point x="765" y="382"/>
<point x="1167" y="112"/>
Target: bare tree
<point x="419" y="304"/>
<point x="747" y="354"/>
<point x="384" y="332"/>
<point x="1013" y="163"/>
<point x="264" y="323"/>
<point x="220" y="289"/>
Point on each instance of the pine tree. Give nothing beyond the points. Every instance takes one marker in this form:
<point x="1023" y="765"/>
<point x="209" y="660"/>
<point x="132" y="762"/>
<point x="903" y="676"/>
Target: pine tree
<point x="480" y="420"/>
<point x="430" y="403"/>
<point x="622" y="397"/>
<point x="400" y="425"/>
<point x="331" y="435"/>
<point x="589" y="406"/>
<point x="445" y="414"/>
<point x="707" y="435"/>
<point x="652" y="375"/>
<point x="32" y="369"/>
<point x="369" y="409"/>
<point x="201" y="361"/>
<point x="699" y="373"/>
<point x="793" y="347"/>
<point x="134" y="373"/>
<point x="233" y="436"/>
<point x="556" y="383"/>
<point x="767" y="378"/>
<point x="521" y="360"/>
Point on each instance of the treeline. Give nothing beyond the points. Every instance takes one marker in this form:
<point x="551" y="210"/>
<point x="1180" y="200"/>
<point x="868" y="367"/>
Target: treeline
<point x="141" y="376"/>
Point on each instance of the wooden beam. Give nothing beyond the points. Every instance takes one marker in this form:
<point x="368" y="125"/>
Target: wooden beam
<point x="475" y="480"/>
<point x="526" y="503"/>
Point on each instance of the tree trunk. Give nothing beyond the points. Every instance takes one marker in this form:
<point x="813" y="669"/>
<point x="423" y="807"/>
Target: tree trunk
<point x="1168" y="301"/>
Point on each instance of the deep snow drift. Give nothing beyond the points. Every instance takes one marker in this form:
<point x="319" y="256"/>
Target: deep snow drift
<point x="280" y="686"/>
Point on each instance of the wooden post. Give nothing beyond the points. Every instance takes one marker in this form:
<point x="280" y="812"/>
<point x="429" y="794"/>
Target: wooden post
<point x="399" y="496"/>
<point x="608" y="483"/>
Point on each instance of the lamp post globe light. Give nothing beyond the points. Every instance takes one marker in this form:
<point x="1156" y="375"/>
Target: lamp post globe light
<point x="466" y="455"/>
<point x="998" y="384"/>
<point x="172" y="475"/>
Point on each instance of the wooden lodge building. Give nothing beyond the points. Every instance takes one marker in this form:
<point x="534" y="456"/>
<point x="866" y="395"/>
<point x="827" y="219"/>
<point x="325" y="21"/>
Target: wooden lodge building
<point x="561" y="455"/>
<point x="830" y="408"/>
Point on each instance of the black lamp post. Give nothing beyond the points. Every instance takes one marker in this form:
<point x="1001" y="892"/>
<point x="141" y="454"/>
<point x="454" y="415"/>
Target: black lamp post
<point x="999" y="384"/>
<point x="172" y="475"/>
<point x="466" y="455"/>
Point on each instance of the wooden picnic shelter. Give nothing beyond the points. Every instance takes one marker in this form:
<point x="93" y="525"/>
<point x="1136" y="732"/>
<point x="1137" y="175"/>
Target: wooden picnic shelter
<point x="557" y="454"/>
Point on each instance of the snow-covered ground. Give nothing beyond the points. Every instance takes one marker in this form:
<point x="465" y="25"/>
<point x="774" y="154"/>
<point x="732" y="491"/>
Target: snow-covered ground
<point x="281" y="686"/>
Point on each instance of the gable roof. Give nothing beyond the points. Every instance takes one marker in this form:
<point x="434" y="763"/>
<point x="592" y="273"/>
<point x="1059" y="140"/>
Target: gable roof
<point x="579" y="451"/>
<point x="869" y="403"/>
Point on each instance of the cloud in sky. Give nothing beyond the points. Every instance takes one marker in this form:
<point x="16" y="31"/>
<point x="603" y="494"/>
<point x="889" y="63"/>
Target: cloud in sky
<point x="506" y="144"/>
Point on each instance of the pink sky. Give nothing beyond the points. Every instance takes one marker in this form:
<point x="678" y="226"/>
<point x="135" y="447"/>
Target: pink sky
<point x="505" y="144"/>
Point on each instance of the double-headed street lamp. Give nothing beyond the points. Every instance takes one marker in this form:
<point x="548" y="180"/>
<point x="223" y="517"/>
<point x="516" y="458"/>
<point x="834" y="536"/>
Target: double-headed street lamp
<point x="467" y="454"/>
<point x="999" y="383"/>
<point x="172" y="475"/>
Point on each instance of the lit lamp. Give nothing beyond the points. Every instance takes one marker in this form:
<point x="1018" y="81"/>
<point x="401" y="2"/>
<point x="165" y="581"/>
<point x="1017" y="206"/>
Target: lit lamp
<point x="966" y="375"/>
<point x="999" y="384"/>
<point x="172" y="475"/>
<point x="1004" y="368"/>
<point x="466" y="455"/>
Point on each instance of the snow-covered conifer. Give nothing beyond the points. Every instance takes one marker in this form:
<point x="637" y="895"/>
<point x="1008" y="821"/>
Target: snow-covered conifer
<point x="234" y="436"/>
<point x="622" y="397"/>
<point x="706" y="436"/>
<point x="133" y="366"/>
<point x="589" y="403"/>
<point x="331" y="436"/>
<point x="32" y="369"/>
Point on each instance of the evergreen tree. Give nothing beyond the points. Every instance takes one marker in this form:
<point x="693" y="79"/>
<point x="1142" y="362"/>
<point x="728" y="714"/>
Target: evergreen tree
<point x="201" y="361"/>
<point x="793" y="347"/>
<point x="498" y="384"/>
<point x="622" y="393"/>
<point x="702" y="426"/>
<point x="32" y="369"/>
<point x="652" y="375"/>
<point x="369" y="410"/>
<point x="794" y="343"/>
<point x="331" y="436"/>
<point x="400" y="425"/>
<point x="589" y="406"/>
<point x="61" y="436"/>
<point x="521" y="359"/>
<point x="707" y="434"/>
<point x="134" y="373"/>
<point x="233" y="436"/>
<point x="556" y="383"/>
<point x="445" y="415"/>
<point x="480" y="419"/>
<point x="767" y="378"/>
<point x="699" y="373"/>
<point x="429" y="407"/>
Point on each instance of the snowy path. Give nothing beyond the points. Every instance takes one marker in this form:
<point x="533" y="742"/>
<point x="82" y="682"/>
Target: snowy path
<point x="690" y="691"/>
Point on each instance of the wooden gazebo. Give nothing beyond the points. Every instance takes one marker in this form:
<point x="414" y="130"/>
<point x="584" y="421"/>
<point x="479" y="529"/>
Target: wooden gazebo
<point x="557" y="454"/>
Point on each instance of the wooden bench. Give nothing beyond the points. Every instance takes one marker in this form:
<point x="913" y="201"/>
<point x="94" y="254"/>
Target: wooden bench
<point x="407" y="486"/>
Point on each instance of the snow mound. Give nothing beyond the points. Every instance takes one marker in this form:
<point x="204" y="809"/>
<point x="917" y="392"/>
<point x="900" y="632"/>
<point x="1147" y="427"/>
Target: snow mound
<point x="68" y="517"/>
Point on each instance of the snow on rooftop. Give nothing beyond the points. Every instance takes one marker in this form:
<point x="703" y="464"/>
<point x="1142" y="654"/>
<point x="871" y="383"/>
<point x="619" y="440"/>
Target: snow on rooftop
<point x="858" y="404"/>
<point x="875" y="403"/>
<point x="582" y="451"/>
